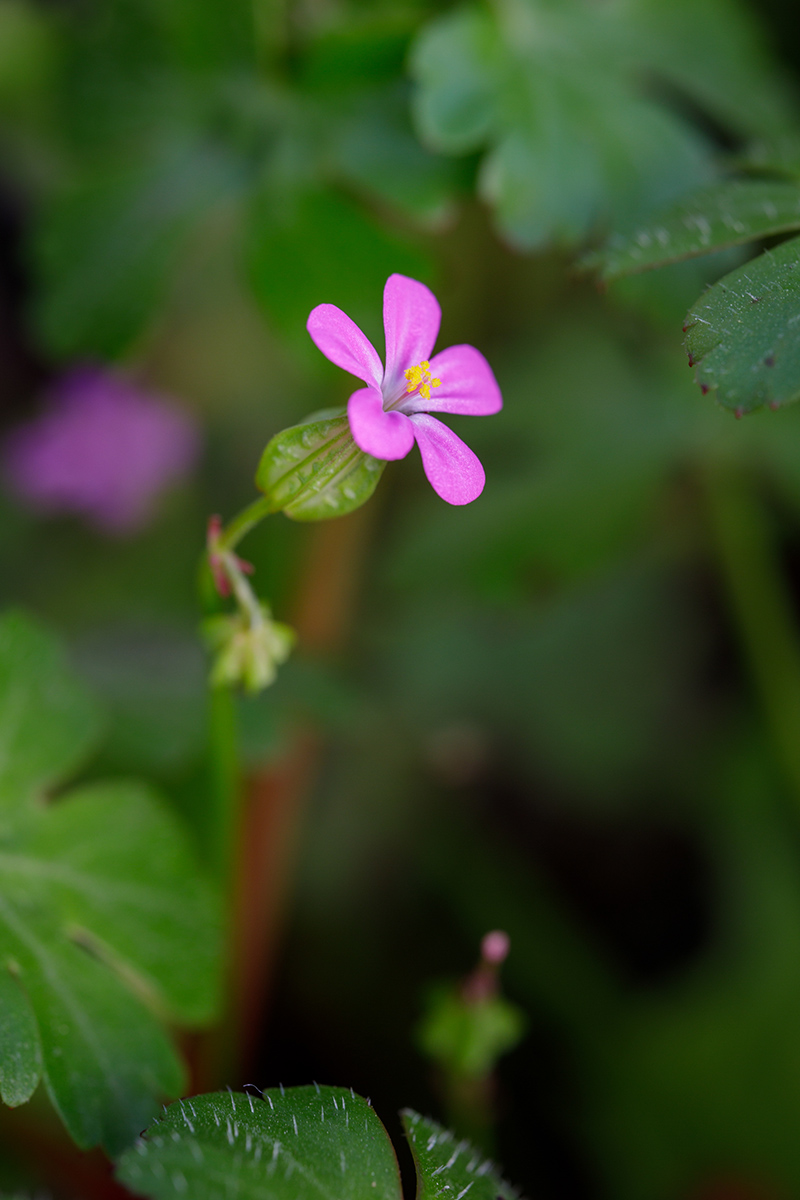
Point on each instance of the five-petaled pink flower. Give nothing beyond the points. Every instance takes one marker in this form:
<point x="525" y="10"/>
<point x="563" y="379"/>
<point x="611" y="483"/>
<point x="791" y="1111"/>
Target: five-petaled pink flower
<point x="392" y="411"/>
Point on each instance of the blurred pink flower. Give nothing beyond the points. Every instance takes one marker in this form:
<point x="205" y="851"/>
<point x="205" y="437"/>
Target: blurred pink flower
<point x="103" y="447"/>
<point x="391" y="413"/>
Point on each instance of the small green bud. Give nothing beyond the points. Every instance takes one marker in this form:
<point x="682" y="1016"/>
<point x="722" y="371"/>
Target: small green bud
<point x="314" y="470"/>
<point x="466" y="1027"/>
<point x="247" y="652"/>
<point x="467" y="1038"/>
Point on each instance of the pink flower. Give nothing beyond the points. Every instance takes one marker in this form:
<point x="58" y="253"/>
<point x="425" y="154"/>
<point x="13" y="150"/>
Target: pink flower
<point x="393" y="410"/>
<point x="102" y="447"/>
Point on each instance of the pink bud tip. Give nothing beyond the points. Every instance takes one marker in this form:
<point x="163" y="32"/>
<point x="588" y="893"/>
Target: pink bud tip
<point x="495" y="947"/>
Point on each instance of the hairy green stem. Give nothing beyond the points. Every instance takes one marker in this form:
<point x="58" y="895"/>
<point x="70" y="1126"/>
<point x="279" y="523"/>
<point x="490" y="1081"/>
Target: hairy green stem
<point x="761" y="605"/>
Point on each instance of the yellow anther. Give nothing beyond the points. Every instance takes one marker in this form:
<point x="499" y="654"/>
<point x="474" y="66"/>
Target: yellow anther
<point x="420" y="377"/>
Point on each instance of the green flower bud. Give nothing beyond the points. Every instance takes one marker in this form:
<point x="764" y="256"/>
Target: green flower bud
<point x="247" y="651"/>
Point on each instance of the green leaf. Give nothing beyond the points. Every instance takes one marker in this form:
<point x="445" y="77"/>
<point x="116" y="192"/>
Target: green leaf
<point x="315" y="470"/>
<point x="107" y="928"/>
<point x="447" y="1168"/>
<point x="20" y="1047"/>
<point x="47" y="720"/>
<point x="723" y="215"/>
<point x="743" y="333"/>
<point x="292" y="1143"/>
<point x="110" y="930"/>
<point x="552" y="92"/>
<point x="376" y="149"/>
<point x="457" y="63"/>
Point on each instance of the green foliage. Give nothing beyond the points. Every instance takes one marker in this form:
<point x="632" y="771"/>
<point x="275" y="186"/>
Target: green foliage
<point x="192" y="129"/>
<point x="315" y="470"/>
<point x="552" y="92"/>
<point x="106" y="927"/>
<point x="726" y="214"/>
<point x="48" y="722"/>
<point x="270" y="1148"/>
<point x="447" y="1167"/>
<point x="278" y="1145"/>
<point x="20" y="1047"/>
<point x="742" y="333"/>
<point x="26" y="56"/>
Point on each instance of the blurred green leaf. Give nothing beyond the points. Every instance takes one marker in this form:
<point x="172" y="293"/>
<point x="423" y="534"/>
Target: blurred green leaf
<point x="725" y="214"/>
<point x="553" y="92"/>
<point x="151" y="681"/>
<point x="742" y="333"/>
<point x="278" y="1147"/>
<point x="48" y="722"/>
<point x="375" y="148"/>
<point x="447" y="1167"/>
<point x="315" y="470"/>
<point x="106" y="927"/>
<point x="104" y="917"/>
<point x="20" y="1046"/>
<point x="104" y="246"/>
<point x="458" y="63"/>
<point x="27" y="54"/>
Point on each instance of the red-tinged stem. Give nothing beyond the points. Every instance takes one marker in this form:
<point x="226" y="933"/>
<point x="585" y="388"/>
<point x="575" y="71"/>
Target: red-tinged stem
<point x="275" y="796"/>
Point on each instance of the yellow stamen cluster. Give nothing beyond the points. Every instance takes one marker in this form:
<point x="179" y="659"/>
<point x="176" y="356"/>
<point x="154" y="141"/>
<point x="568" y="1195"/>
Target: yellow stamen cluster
<point x="420" y="377"/>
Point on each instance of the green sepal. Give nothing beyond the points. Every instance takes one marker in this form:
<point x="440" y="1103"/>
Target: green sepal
<point x="314" y="470"/>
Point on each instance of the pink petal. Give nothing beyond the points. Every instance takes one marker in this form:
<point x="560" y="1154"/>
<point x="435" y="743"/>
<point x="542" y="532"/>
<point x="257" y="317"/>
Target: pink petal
<point x="411" y="317"/>
<point x="468" y="385"/>
<point x="453" y="471"/>
<point x="386" y="435"/>
<point x="343" y="343"/>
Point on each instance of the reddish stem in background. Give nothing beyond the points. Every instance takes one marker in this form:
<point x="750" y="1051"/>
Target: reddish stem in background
<point x="275" y="796"/>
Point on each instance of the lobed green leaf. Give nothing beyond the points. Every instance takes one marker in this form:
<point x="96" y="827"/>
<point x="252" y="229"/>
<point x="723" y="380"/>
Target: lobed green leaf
<point x="286" y="1145"/>
<point x="314" y="470"/>
<point x="715" y="218"/>
<point x="107" y="929"/>
<point x="743" y="333"/>
<point x="552" y="93"/>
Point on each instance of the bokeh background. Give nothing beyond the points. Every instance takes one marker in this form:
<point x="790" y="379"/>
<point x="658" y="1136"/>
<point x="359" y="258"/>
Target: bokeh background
<point x="570" y="710"/>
